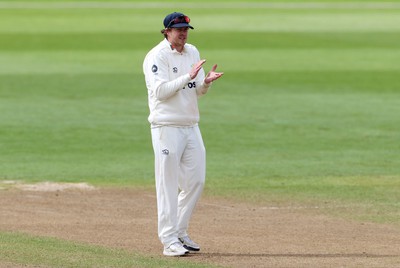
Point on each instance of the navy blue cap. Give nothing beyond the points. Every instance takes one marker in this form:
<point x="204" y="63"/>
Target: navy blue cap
<point x="177" y="20"/>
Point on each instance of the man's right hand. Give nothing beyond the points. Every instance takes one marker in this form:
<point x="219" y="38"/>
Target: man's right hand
<point x="196" y="68"/>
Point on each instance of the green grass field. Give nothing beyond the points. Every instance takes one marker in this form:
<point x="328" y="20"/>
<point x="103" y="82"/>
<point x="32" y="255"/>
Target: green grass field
<point x="308" y="110"/>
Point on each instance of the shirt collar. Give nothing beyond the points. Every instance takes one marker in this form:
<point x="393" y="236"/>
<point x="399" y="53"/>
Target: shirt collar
<point x="168" y="44"/>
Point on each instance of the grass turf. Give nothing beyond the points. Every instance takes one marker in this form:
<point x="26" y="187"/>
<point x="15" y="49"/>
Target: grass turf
<point x="50" y="252"/>
<point x="304" y="100"/>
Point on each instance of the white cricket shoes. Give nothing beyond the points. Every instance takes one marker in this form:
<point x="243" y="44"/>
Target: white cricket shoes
<point x="175" y="249"/>
<point x="189" y="244"/>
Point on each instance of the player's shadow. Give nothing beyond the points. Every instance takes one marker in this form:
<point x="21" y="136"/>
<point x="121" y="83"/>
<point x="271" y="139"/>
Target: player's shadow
<point x="299" y="255"/>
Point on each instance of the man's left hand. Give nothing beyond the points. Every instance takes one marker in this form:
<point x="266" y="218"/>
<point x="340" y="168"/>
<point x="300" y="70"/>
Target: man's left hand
<point x="212" y="75"/>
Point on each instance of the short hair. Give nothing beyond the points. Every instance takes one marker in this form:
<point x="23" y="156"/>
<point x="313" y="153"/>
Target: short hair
<point x="164" y="32"/>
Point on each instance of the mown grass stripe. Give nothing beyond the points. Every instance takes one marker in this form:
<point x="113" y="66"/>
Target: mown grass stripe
<point x="236" y="22"/>
<point x="206" y="5"/>
<point x="268" y="40"/>
<point x="125" y="61"/>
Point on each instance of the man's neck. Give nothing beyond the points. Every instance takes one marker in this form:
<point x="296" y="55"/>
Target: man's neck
<point x="177" y="48"/>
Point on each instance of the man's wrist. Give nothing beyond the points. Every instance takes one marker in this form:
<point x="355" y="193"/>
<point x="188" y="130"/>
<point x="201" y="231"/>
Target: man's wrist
<point x="207" y="81"/>
<point x="206" y="84"/>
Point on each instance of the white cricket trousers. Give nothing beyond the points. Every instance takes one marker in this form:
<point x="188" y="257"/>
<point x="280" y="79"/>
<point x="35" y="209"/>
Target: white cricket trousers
<point x="180" y="170"/>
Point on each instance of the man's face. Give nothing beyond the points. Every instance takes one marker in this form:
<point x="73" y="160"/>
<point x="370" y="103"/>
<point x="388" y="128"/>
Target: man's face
<point x="178" y="36"/>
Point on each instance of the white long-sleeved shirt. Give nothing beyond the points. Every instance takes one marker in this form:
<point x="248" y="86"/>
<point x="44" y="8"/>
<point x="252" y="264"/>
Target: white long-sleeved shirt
<point x="172" y="95"/>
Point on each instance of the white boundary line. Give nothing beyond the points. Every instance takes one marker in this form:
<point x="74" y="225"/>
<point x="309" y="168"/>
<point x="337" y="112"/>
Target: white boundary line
<point x="154" y="5"/>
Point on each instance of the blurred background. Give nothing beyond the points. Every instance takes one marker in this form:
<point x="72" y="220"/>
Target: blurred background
<point x="308" y="109"/>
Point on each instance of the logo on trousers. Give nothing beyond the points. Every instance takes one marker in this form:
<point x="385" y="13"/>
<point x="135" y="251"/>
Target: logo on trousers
<point x="165" y="151"/>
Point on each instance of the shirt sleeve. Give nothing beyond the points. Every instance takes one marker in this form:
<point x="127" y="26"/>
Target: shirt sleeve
<point x="160" y="85"/>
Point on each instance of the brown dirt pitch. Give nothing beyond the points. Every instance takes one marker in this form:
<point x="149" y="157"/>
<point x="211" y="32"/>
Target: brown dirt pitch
<point x="231" y="233"/>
